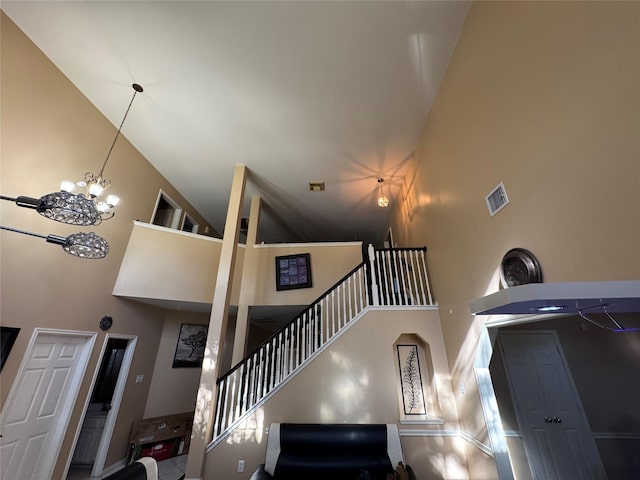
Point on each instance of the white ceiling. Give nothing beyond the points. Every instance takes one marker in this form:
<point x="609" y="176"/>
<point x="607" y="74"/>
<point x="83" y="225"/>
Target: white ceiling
<point x="333" y="91"/>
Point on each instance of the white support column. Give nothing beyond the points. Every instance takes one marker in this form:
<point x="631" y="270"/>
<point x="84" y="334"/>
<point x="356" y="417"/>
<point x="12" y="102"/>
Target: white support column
<point x="206" y="399"/>
<point x="247" y="285"/>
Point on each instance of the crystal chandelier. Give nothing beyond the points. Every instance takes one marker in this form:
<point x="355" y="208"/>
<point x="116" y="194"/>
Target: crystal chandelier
<point x="79" y="208"/>
<point x="94" y="184"/>
<point x="383" y="201"/>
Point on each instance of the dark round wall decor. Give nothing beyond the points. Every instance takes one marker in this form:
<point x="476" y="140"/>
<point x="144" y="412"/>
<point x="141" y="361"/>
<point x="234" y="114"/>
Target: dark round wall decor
<point x="105" y="323"/>
<point x="519" y="267"/>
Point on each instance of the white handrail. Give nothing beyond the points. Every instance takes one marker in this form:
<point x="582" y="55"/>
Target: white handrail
<point x="397" y="277"/>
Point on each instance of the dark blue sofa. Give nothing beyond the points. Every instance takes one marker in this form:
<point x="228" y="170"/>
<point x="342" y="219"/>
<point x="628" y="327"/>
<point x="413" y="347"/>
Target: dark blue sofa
<point x="330" y="451"/>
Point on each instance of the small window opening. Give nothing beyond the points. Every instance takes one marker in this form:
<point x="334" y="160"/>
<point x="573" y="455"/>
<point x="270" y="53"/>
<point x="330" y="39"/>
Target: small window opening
<point x="189" y="225"/>
<point x="167" y="212"/>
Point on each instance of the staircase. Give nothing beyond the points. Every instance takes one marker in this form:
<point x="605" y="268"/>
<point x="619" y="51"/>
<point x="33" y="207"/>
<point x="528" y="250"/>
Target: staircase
<point x="390" y="277"/>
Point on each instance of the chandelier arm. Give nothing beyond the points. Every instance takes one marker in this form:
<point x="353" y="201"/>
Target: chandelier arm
<point x="2" y="227"/>
<point x="22" y="201"/>
<point x="81" y="244"/>
<point x="107" y="216"/>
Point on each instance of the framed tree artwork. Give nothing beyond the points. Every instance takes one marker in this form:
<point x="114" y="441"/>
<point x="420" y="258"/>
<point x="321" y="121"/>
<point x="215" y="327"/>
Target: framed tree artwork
<point x="192" y="340"/>
<point x="293" y="271"/>
<point x="411" y="380"/>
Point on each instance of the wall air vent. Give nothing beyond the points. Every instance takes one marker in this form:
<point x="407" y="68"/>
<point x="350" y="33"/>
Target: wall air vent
<point x="497" y="199"/>
<point x="316" y="186"/>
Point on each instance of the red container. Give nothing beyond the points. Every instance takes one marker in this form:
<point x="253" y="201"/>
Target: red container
<point x="159" y="450"/>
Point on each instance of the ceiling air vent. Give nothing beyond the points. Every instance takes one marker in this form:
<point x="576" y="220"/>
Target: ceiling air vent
<point x="497" y="199"/>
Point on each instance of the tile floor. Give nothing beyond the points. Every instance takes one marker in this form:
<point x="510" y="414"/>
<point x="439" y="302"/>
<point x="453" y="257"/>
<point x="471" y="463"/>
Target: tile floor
<point x="170" y="469"/>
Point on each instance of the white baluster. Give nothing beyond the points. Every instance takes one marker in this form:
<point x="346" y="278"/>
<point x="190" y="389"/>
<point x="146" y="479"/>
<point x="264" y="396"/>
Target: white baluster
<point x="218" y="428"/>
<point x="404" y="272"/>
<point x="235" y="400"/>
<point x="362" y="282"/>
<point x="386" y="267"/>
<point x="374" y="281"/>
<point x="299" y="343"/>
<point x="426" y="276"/>
<point x="225" y="403"/>
<point x="333" y="313"/>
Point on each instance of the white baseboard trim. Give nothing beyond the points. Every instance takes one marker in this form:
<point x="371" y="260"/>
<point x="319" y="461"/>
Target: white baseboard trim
<point x="448" y="433"/>
<point x="424" y="421"/>
<point x="596" y="435"/>
<point x="428" y="433"/>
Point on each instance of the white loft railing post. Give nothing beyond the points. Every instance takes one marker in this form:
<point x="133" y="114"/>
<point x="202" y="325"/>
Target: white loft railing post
<point x="374" y="283"/>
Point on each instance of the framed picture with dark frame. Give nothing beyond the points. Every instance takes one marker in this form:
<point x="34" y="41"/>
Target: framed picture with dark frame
<point x="293" y="271"/>
<point x="192" y="341"/>
<point x="8" y="337"/>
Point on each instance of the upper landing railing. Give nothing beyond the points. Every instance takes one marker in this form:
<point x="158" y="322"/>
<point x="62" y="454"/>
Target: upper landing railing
<point x="400" y="276"/>
<point x="390" y="277"/>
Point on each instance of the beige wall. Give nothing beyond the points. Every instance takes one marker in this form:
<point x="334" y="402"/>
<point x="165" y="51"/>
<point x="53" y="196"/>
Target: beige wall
<point x="354" y="381"/>
<point x="173" y="390"/>
<point x="166" y="264"/>
<point x="50" y="132"/>
<point x="544" y="97"/>
<point x="329" y="263"/>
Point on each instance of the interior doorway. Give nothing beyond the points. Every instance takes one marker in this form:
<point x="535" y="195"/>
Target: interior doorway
<point x="94" y="436"/>
<point x="556" y="434"/>
<point x="167" y="212"/>
<point x="37" y="411"/>
<point x="388" y="239"/>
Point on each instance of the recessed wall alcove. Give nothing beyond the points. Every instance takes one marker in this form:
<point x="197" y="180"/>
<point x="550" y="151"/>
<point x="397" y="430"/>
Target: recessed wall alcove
<point x="416" y="383"/>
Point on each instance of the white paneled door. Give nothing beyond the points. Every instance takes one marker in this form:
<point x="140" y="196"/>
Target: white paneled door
<point x="557" y="436"/>
<point x="36" y="413"/>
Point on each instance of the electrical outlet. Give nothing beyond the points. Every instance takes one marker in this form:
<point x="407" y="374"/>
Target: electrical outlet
<point x="139" y="378"/>
<point x="240" y="466"/>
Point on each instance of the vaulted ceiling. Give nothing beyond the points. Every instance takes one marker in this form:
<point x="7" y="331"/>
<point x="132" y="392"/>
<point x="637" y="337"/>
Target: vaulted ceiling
<point x="330" y="91"/>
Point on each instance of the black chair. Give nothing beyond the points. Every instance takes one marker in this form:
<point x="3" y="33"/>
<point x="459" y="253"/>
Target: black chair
<point x="145" y="468"/>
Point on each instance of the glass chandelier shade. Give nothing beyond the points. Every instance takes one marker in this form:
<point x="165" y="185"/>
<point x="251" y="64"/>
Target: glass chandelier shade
<point x="383" y="201"/>
<point x="85" y="245"/>
<point x="64" y="207"/>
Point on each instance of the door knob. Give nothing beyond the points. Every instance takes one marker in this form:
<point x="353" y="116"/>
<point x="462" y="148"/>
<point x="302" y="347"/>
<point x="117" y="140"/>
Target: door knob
<point x="557" y="420"/>
<point x="548" y="419"/>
